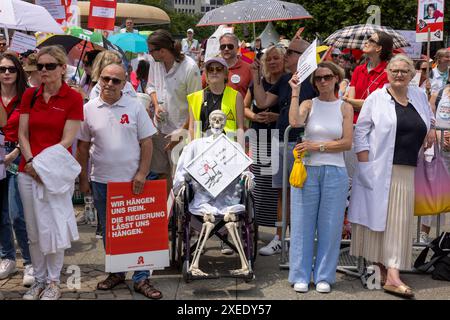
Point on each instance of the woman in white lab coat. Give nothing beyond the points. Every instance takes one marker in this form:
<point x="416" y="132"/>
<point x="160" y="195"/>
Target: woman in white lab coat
<point x="393" y="124"/>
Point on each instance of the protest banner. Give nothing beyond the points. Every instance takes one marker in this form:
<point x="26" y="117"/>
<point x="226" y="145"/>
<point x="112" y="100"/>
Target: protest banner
<point x="307" y="62"/>
<point x="102" y="14"/>
<point x="430" y="18"/>
<point x="22" y="42"/>
<point x="136" y="227"/>
<point x="414" y="51"/>
<point x="54" y="7"/>
<point x="218" y="165"/>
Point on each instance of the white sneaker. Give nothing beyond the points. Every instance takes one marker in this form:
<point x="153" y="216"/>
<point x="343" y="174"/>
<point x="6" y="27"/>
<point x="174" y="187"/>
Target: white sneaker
<point x="272" y="248"/>
<point x="424" y="238"/>
<point x="323" y="287"/>
<point x="52" y="292"/>
<point x="28" y="276"/>
<point x="7" y="267"/>
<point x="225" y="249"/>
<point x="301" y="287"/>
<point x="35" y="291"/>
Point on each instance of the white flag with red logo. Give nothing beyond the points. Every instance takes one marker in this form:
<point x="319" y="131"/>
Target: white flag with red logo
<point x="102" y="14"/>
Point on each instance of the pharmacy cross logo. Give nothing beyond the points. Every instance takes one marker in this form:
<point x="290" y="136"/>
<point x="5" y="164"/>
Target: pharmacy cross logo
<point x="124" y="119"/>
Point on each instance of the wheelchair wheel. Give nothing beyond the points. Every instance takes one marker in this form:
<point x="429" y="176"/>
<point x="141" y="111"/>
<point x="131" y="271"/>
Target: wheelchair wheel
<point x="186" y="276"/>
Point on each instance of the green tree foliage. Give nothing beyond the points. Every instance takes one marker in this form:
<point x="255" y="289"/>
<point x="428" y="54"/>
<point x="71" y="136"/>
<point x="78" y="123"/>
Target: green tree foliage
<point x="331" y="15"/>
<point x="328" y="16"/>
<point x="180" y="22"/>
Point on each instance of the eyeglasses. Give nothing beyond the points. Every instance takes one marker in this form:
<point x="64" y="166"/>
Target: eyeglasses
<point x="397" y="71"/>
<point x="423" y="69"/>
<point x="10" y="69"/>
<point x="291" y="51"/>
<point x="214" y="69"/>
<point x="327" y="77"/>
<point x="115" y="81"/>
<point x="154" y="49"/>
<point x="230" y="46"/>
<point x="372" y="41"/>
<point x="48" y="66"/>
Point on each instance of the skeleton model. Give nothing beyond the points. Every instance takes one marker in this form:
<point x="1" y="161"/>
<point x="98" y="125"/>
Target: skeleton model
<point x="226" y="204"/>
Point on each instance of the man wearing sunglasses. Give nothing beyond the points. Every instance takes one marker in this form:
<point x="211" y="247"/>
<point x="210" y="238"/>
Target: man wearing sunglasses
<point x="239" y="72"/>
<point x="120" y="131"/>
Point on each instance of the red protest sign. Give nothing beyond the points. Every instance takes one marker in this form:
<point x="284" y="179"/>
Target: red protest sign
<point x="430" y="16"/>
<point x="102" y="14"/>
<point x="136" y="227"/>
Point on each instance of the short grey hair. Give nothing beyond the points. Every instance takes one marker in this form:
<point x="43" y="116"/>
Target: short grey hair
<point x="405" y="59"/>
<point x="230" y="35"/>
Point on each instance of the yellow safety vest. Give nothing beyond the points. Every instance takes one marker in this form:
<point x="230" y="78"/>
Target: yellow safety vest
<point x="195" y="101"/>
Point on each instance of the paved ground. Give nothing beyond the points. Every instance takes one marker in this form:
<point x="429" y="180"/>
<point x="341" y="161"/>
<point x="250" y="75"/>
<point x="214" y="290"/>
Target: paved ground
<point x="270" y="282"/>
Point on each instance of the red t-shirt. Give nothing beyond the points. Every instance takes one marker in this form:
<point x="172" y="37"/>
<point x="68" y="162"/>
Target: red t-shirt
<point x="367" y="82"/>
<point x="239" y="77"/>
<point x="47" y="120"/>
<point x="12" y="126"/>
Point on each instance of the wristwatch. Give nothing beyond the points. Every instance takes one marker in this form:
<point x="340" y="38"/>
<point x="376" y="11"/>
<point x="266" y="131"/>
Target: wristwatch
<point x="322" y="148"/>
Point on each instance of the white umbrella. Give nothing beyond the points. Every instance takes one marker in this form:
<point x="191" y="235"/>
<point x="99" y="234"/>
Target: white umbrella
<point x="21" y="15"/>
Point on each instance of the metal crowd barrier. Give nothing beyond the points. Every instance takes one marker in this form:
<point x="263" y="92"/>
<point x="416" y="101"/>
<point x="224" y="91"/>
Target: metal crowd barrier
<point x="352" y="266"/>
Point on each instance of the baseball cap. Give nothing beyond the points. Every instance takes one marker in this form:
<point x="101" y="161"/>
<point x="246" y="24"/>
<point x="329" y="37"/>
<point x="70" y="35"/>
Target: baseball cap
<point x="190" y="30"/>
<point x="218" y="60"/>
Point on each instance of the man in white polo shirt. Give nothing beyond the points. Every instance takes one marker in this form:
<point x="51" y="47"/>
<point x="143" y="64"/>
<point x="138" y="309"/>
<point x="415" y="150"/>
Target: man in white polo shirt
<point x="117" y="134"/>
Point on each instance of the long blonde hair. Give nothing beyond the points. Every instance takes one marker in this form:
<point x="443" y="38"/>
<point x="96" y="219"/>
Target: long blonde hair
<point x="102" y="60"/>
<point x="280" y="50"/>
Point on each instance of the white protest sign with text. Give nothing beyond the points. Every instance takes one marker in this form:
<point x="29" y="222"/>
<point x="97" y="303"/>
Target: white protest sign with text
<point x="22" y="42"/>
<point x="216" y="167"/>
<point x="307" y="63"/>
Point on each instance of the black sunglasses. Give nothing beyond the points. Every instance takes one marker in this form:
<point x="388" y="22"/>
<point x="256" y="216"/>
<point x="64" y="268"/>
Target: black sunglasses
<point x="230" y="46"/>
<point x="10" y="69"/>
<point x="115" y="81"/>
<point x="216" y="69"/>
<point x="48" y="66"/>
<point x="327" y="77"/>
<point x="291" y="51"/>
<point x="373" y="41"/>
<point x="3" y="44"/>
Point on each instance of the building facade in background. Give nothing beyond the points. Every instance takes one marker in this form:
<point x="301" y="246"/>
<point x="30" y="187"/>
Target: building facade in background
<point x="196" y="6"/>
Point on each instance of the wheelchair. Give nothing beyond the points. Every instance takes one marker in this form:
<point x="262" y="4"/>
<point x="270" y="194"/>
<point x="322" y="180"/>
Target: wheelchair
<point x="183" y="246"/>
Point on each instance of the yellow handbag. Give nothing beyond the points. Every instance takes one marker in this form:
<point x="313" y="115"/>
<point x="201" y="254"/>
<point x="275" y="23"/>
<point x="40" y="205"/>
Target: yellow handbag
<point x="298" y="173"/>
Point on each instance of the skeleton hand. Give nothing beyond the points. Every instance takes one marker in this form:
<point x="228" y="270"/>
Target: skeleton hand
<point x="180" y="193"/>
<point x="249" y="181"/>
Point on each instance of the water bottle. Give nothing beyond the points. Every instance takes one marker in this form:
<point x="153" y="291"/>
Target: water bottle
<point x="163" y="114"/>
<point x="89" y="210"/>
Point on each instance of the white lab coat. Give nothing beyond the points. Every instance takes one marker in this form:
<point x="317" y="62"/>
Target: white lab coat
<point x="375" y="131"/>
<point x="203" y="201"/>
<point x="52" y="199"/>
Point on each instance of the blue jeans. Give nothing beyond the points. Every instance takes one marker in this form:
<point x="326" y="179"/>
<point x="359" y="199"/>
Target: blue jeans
<point x="99" y="193"/>
<point x="318" y="206"/>
<point x="12" y="217"/>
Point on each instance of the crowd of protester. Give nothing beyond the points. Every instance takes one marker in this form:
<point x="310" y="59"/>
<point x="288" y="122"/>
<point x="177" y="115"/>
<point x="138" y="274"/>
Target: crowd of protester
<point x="392" y="120"/>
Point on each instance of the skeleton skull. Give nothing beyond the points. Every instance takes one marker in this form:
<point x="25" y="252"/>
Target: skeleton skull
<point x="217" y="120"/>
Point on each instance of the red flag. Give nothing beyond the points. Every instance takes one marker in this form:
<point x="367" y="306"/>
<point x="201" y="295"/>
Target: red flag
<point x="102" y="14"/>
